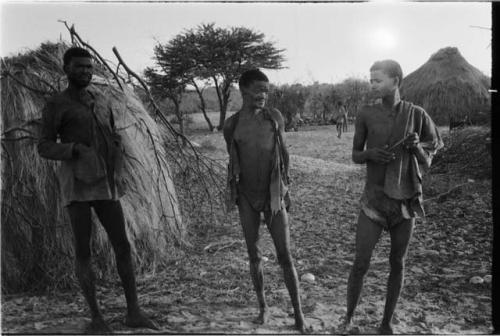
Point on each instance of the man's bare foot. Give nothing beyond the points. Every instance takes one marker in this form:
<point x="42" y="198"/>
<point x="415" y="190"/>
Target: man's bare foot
<point x="385" y="329"/>
<point x="344" y="327"/>
<point x="300" y="324"/>
<point x="263" y="317"/>
<point x="139" y="320"/>
<point x="97" y="326"/>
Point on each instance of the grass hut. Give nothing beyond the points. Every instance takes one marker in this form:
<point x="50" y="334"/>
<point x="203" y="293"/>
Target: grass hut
<point x="37" y="248"/>
<point x="449" y="89"/>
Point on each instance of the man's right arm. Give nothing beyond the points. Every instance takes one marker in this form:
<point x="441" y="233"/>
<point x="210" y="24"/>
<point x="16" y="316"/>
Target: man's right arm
<point x="358" y="144"/>
<point x="47" y="144"/>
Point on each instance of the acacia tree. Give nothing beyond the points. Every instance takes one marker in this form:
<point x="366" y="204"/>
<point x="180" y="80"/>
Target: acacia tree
<point x="170" y="75"/>
<point x="219" y="55"/>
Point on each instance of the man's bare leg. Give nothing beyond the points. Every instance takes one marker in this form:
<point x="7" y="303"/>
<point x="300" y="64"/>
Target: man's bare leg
<point x="110" y="214"/>
<point x="400" y="240"/>
<point x="280" y="232"/>
<point x="367" y="236"/>
<point x="81" y="224"/>
<point x="250" y="222"/>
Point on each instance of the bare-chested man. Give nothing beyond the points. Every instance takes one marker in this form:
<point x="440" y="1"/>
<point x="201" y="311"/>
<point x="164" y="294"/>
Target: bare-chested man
<point x="257" y="179"/>
<point x="400" y="140"/>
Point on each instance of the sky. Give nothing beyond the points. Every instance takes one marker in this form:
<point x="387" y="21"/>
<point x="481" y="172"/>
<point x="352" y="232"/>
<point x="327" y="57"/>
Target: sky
<point x="324" y="42"/>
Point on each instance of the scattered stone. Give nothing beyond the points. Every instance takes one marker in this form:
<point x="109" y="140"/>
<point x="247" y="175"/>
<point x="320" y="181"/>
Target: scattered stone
<point x="308" y="277"/>
<point x="265" y="259"/>
<point x="175" y="319"/>
<point x="475" y="280"/>
<point x="39" y="325"/>
<point x="487" y="278"/>
<point x="245" y="325"/>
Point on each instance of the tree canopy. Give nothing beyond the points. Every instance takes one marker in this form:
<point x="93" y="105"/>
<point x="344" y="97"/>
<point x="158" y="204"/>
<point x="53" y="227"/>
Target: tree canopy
<point x="210" y="55"/>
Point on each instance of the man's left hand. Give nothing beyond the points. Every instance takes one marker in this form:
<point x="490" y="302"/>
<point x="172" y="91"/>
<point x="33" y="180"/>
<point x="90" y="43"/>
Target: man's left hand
<point x="412" y="141"/>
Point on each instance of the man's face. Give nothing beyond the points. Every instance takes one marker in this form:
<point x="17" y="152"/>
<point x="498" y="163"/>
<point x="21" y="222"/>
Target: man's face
<point x="79" y="71"/>
<point x="382" y="85"/>
<point x="255" y="95"/>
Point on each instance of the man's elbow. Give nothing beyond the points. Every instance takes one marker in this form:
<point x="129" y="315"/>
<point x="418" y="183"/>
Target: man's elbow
<point x="356" y="158"/>
<point x="42" y="149"/>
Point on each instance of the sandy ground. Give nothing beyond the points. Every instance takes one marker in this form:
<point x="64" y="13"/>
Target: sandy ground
<point x="208" y="289"/>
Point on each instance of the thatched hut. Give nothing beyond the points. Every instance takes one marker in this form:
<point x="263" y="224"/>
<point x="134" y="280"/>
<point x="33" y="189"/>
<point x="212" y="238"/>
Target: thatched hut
<point x="36" y="235"/>
<point x="449" y="89"/>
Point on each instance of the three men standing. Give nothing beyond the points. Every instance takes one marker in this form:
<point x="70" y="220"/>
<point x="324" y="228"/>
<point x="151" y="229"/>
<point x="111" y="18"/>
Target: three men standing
<point x="395" y="139"/>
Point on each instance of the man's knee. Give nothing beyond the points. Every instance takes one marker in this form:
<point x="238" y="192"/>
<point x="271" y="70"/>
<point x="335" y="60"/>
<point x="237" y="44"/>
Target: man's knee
<point x="254" y="254"/>
<point x="122" y="248"/>
<point x="360" y="266"/>
<point x="397" y="263"/>
<point x="82" y="253"/>
<point x="285" y="259"/>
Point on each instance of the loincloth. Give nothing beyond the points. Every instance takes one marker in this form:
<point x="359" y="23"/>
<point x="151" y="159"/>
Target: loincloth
<point x="381" y="209"/>
<point x="259" y="201"/>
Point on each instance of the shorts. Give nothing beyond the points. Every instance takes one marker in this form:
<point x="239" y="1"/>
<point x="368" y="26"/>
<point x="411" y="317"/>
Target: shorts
<point x="381" y="209"/>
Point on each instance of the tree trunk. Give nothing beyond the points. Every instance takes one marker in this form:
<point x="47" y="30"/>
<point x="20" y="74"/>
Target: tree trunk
<point x="180" y="117"/>
<point x="222" y="108"/>
<point x="226" y="93"/>
<point x="203" y="106"/>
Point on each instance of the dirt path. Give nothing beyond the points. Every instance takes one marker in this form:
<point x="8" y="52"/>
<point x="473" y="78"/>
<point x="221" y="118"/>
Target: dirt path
<point x="208" y="290"/>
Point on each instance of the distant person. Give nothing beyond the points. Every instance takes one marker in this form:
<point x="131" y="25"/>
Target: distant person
<point x="257" y="180"/>
<point x="397" y="140"/>
<point x="346" y="119"/>
<point x="89" y="152"/>
<point x="341" y="120"/>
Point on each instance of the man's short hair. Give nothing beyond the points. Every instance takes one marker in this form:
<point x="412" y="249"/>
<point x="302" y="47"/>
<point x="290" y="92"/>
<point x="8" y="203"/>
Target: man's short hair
<point x="75" y="52"/>
<point x="250" y="76"/>
<point x="390" y="67"/>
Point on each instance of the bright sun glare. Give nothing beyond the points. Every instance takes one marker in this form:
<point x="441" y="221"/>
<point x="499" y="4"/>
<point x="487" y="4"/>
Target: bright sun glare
<point x="383" y="38"/>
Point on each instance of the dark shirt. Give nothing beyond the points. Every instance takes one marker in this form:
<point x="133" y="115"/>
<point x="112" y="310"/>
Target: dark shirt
<point x="70" y="118"/>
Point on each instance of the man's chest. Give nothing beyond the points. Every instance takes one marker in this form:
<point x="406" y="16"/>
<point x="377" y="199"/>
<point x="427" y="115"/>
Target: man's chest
<point x="254" y="133"/>
<point x="379" y="127"/>
<point x="74" y="114"/>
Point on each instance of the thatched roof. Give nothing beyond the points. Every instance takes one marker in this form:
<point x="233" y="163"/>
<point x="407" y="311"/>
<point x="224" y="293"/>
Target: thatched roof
<point x="36" y="234"/>
<point x="447" y="86"/>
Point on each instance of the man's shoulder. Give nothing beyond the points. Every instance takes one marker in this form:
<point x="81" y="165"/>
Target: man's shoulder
<point x="230" y="122"/>
<point x="275" y="114"/>
<point x="57" y="97"/>
<point x="57" y="100"/>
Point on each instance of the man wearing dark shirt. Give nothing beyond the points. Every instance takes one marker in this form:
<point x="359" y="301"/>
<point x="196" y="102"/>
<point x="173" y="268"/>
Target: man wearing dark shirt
<point x="89" y="151"/>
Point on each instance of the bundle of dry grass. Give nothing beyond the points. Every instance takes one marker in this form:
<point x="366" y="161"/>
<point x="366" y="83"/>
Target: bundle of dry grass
<point x="467" y="152"/>
<point x="36" y="235"/>
<point x="449" y="89"/>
